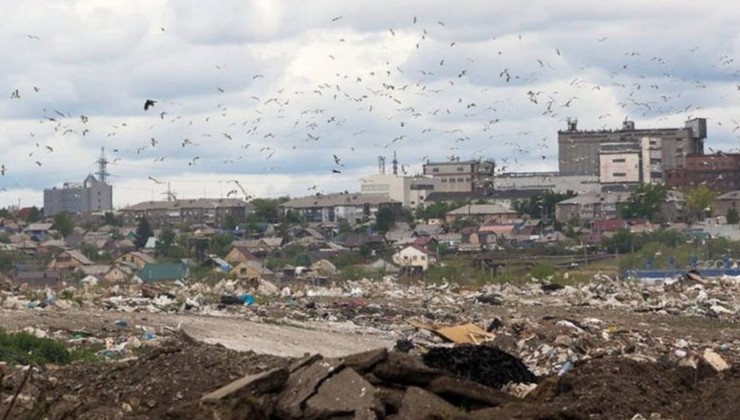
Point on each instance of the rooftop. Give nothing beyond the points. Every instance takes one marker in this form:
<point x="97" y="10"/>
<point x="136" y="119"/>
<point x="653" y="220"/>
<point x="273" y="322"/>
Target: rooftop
<point x="340" y="199"/>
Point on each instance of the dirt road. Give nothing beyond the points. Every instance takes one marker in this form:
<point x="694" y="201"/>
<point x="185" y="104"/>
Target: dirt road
<point x="233" y="332"/>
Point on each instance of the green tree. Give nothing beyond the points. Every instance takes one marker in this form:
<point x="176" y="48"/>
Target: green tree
<point x="645" y="202"/>
<point x="229" y="222"/>
<point x="699" y="202"/>
<point x="384" y="219"/>
<point x="143" y="233"/>
<point x="166" y="242"/>
<point x="266" y="209"/>
<point x="63" y="223"/>
<point x="623" y="241"/>
<point x="89" y="250"/>
<point x="110" y="219"/>
<point x="541" y="206"/>
<point x="220" y="244"/>
<point x="34" y="215"/>
<point x="344" y="226"/>
<point x="433" y="211"/>
<point x="733" y="217"/>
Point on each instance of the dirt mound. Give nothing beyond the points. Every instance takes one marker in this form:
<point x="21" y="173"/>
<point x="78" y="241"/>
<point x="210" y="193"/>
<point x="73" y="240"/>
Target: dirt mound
<point x="184" y="379"/>
<point x="145" y="388"/>
<point x="620" y="388"/>
<point x="486" y="365"/>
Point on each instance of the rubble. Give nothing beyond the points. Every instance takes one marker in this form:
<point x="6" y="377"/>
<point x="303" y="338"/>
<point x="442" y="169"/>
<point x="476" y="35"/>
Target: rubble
<point x="451" y="343"/>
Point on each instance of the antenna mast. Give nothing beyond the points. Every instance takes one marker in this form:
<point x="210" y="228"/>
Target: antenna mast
<point x="102" y="162"/>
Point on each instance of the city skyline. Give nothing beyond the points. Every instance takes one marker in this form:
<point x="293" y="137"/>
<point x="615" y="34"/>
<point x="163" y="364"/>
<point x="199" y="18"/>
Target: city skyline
<point x="286" y="96"/>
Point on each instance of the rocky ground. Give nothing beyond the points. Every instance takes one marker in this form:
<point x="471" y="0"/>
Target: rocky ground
<point x="608" y="349"/>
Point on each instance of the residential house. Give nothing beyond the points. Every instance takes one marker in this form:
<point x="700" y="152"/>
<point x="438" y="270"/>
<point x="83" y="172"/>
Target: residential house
<point x="405" y="236"/>
<point x="98" y="270"/>
<point x="451" y="240"/>
<point x="39" y="279"/>
<point x="251" y="270"/>
<point x="482" y="213"/>
<point x="119" y="274"/>
<point x="39" y="232"/>
<point x="239" y="254"/>
<point x="354" y="241"/>
<point x="414" y="258"/>
<point x="217" y="263"/>
<point x="134" y="259"/>
<point x="589" y="207"/>
<point x="324" y="268"/>
<point x="428" y="229"/>
<point x="725" y="203"/>
<point x="69" y="260"/>
<point x="160" y="272"/>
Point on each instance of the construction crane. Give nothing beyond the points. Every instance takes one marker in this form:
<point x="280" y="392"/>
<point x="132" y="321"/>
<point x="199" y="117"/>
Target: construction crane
<point x="246" y="196"/>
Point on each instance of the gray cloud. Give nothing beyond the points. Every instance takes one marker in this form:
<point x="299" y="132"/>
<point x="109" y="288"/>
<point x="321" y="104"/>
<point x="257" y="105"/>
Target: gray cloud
<point x="270" y="91"/>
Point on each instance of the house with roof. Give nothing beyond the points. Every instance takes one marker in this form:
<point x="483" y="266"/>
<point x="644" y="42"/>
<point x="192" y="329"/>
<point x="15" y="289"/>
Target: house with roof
<point x="354" y="241"/>
<point x="251" y="270"/>
<point x="239" y="254"/>
<point x="119" y="273"/>
<point x="39" y="232"/>
<point x="726" y="202"/>
<point x="134" y="259"/>
<point x="588" y="207"/>
<point x="414" y="258"/>
<point x="164" y="272"/>
<point x="217" y="263"/>
<point x="39" y="279"/>
<point x="69" y="260"/>
<point x="482" y="213"/>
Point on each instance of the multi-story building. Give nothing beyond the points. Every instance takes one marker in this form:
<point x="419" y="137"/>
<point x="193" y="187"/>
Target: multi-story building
<point x="552" y="181"/>
<point x="207" y="211"/>
<point x="88" y="197"/>
<point x="720" y="172"/>
<point x="352" y="207"/>
<point x="462" y="176"/>
<point x="579" y="149"/>
<point x="410" y="191"/>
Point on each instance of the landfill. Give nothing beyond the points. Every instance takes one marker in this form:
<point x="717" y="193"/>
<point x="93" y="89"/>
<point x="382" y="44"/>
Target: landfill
<point x="607" y="348"/>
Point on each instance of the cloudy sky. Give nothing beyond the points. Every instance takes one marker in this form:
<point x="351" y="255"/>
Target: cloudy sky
<point x="283" y="94"/>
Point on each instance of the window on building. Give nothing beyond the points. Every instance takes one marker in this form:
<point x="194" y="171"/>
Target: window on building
<point x="620" y="160"/>
<point x="443" y="180"/>
<point x="452" y="180"/>
<point x="435" y="169"/>
<point x="460" y="169"/>
<point x="619" y="174"/>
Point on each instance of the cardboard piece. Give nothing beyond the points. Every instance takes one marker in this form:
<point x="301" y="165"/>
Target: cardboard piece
<point x="467" y="333"/>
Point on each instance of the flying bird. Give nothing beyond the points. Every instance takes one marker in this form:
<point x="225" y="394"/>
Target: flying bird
<point x="15" y="95"/>
<point x="148" y="104"/>
<point x="156" y="181"/>
<point x="2" y="170"/>
<point x="336" y="171"/>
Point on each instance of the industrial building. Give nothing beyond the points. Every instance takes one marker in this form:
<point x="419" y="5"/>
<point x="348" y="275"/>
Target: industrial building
<point x="462" y="176"/>
<point x="92" y="195"/>
<point x="579" y="150"/>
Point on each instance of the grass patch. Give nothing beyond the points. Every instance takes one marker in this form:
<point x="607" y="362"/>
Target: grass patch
<point x="25" y="348"/>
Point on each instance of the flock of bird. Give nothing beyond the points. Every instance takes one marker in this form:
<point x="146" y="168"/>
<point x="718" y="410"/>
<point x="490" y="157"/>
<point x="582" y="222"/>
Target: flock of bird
<point x="460" y="103"/>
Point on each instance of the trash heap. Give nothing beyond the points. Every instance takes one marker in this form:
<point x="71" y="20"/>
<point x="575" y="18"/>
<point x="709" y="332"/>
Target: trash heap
<point x="369" y="385"/>
<point x="186" y="379"/>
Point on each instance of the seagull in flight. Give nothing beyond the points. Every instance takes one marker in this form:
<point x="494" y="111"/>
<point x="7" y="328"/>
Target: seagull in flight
<point x="148" y="104"/>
